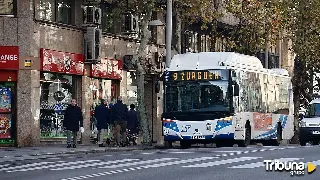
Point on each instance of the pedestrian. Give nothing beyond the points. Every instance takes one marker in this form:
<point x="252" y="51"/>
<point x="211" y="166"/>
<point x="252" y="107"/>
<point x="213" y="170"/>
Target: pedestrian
<point x="102" y="115"/>
<point x="72" y="119"/>
<point x="119" y="115"/>
<point x="133" y="123"/>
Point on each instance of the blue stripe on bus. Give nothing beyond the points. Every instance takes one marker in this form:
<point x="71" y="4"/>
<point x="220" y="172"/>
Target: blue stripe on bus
<point x="272" y="134"/>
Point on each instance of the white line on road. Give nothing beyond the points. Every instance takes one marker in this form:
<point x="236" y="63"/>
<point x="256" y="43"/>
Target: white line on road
<point x="142" y="167"/>
<point x="316" y="163"/>
<point x="148" y="153"/>
<point x="94" y="164"/>
<point x="221" y="162"/>
<point x="181" y="152"/>
<point x="261" y="164"/>
<point x="50" y="166"/>
<point x="228" y="151"/>
<point x="137" y="163"/>
<point x="4" y="165"/>
<point x="26" y="165"/>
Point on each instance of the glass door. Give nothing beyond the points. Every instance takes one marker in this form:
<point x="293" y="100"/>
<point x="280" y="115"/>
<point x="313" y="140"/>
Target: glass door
<point x="7" y="112"/>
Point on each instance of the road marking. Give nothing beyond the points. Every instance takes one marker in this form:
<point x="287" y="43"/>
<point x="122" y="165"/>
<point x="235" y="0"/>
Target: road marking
<point x="148" y="153"/>
<point x="221" y="162"/>
<point x="4" y="165"/>
<point x="229" y="151"/>
<point x="125" y="154"/>
<point x="142" y="167"/>
<point x="94" y="164"/>
<point x="137" y="163"/>
<point x="261" y="164"/>
<point x="26" y="165"/>
<point x="316" y="163"/>
<point x="181" y="152"/>
<point x="17" y="169"/>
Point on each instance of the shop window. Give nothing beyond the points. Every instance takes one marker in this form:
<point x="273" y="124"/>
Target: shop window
<point x="57" y="91"/>
<point x="7" y="7"/>
<point x="59" y="11"/>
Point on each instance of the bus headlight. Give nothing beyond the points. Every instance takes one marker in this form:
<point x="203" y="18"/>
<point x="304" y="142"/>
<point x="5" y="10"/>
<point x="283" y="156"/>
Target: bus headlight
<point x="302" y="124"/>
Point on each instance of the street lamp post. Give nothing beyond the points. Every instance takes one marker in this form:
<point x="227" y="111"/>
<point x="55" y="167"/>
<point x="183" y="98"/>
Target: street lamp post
<point x="168" y="32"/>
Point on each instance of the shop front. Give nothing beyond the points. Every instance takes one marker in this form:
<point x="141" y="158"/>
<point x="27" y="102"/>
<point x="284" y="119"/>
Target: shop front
<point x="105" y="81"/>
<point x="59" y="83"/>
<point x="9" y="66"/>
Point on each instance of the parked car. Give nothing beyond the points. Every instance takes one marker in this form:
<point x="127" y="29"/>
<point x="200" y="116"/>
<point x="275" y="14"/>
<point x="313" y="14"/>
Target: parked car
<point x="310" y="124"/>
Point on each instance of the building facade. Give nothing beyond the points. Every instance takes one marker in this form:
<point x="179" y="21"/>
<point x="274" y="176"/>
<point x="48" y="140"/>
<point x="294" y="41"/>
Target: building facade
<point x="43" y="65"/>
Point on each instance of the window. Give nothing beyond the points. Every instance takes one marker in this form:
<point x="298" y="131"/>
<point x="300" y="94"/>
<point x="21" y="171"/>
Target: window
<point x="198" y="96"/>
<point x="7" y="7"/>
<point x="46" y="10"/>
<point x="59" y="11"/>
<point x="57" y="91"/>
<point x="313" y="110"/>
<point x="64" y="11"/>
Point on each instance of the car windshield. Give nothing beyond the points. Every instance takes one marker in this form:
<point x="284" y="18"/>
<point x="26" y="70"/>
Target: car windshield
<point x="314" y="110"/>
<point x="197" y="96"/>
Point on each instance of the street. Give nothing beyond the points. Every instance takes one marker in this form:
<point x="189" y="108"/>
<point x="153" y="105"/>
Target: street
<point x="194" y="163"/>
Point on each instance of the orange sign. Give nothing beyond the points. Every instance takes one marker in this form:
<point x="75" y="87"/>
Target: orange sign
<point x="262" y="121"/>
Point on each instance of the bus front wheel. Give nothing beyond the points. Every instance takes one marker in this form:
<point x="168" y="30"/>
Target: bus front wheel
<point x="168" y="144"/>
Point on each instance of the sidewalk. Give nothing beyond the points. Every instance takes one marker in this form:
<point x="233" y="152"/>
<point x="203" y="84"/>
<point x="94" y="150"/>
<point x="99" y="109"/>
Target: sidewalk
<point x="10" y="154"/>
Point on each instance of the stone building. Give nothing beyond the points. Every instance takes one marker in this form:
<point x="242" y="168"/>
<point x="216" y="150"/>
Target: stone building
<point x="44" y="64"/>
<point x="43" y="46"/>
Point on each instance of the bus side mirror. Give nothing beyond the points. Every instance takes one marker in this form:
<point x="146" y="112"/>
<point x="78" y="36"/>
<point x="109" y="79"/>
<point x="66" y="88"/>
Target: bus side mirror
<point x="236" y="89"/>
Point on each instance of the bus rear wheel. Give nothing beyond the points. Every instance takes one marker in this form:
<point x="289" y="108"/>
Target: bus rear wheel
<point x="185" y="144"/>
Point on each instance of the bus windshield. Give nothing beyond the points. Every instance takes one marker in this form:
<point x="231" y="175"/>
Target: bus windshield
<point x="197" y="96"/>
<point x="314" y="110"/>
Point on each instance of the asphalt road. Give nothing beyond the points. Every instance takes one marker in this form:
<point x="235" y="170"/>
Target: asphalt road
<point x="178" y="164"/>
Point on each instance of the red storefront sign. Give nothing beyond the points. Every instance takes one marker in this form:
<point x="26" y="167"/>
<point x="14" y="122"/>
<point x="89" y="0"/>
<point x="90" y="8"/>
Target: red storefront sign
<point x="9" y="57"/>
<point x="61" y="62"/>
<point x="108" y="68"/>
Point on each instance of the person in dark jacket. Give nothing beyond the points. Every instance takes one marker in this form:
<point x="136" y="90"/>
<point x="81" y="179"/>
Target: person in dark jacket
<point x="72" y="119"/>
<point x="119" y="115"/>
<point x="133" y="117"/>
<point x="102" y="115"/>
<point x="133" y="124"/>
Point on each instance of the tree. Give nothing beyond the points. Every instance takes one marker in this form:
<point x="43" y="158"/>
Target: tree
<point x="302" y="19"/>
<point x="144" y="9"/>
<point x="259" y="24"/>
<point x="205" y="13"/>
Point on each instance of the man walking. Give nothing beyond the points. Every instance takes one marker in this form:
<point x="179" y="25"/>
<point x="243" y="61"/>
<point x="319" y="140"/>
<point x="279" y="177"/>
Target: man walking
<point x="72" y="119"/>
<point x="102" y="115"/>
<point x="119" y="116"/>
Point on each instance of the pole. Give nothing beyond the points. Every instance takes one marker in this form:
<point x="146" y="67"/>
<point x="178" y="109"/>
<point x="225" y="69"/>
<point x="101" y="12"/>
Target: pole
<point x="168" y="32"/>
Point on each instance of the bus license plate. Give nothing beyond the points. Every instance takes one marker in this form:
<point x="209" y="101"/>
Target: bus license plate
<point x="198" y="137"/>
<point x="316" y="132"/>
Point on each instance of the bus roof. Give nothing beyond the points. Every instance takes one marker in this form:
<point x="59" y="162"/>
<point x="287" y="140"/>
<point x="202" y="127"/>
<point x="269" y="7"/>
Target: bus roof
<point x="220" y="60"/>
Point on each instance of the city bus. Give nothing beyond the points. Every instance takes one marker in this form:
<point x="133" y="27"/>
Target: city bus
<point x="225" y="97"/>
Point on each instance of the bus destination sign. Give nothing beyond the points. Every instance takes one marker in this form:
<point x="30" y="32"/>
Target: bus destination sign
<point x="201" y="75"/>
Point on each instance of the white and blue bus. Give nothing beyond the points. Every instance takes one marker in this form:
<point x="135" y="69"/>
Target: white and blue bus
<point x="225" y="97"/>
